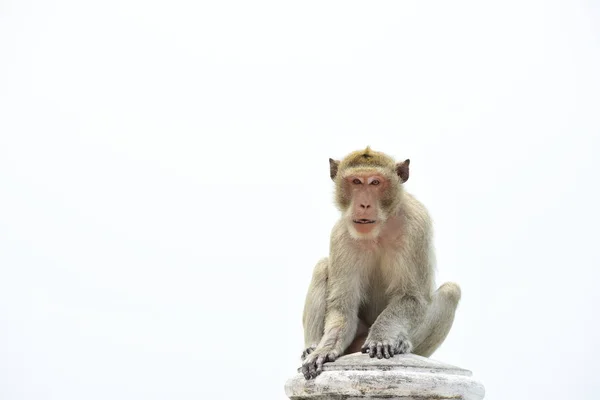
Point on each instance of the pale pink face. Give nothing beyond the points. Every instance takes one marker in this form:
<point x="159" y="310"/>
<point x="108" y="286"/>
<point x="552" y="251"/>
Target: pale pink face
<point x="366" y="191"/>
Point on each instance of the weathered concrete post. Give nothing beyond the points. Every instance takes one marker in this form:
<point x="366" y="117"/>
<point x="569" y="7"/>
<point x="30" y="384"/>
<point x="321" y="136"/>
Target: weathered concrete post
<point x="403" y="377"/>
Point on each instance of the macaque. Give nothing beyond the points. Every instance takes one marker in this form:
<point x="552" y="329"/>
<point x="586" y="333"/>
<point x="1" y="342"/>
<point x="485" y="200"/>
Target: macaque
<point x="375" y="291"/>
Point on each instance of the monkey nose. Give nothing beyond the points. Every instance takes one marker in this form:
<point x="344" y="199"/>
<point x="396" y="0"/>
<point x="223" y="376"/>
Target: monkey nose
<point x="365" y="206"/>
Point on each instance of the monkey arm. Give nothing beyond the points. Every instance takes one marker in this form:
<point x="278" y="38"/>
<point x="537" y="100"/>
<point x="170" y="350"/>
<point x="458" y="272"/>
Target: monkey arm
<point x="403" y="313"/>
<point x="389" y="334"/>
<point x="340" y="328"/>
<point x="344" y="290"/>
<point x="315" y="307"/>
<point x="341" y="319"/>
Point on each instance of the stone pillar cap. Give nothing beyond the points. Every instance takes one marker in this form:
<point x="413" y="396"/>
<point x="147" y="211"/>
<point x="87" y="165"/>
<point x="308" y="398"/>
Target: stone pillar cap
<point x="406" y="376"/>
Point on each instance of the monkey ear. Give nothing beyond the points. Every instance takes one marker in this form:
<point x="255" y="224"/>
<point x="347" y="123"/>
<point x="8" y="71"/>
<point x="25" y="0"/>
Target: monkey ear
<point x="333" y="168"/>
<point x="402" y="170"/>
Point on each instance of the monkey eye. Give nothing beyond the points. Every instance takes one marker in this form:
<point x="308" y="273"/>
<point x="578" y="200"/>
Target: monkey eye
<point x="356" y="181"/>
<point x="375" y="182"/>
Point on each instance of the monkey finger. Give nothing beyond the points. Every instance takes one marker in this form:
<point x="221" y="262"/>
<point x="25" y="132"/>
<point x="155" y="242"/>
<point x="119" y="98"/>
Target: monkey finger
<point x="312" y="372"/>
<point x="319" y="363"/>
<point x="386" y="351"/>
<point x="332" y="356"/>
<point x="306" y="352"/>
<point x="372" y="350"/>
<point x="305" y="371"/>
<point x="308" y="366"/>
<point x="379" y="348"/>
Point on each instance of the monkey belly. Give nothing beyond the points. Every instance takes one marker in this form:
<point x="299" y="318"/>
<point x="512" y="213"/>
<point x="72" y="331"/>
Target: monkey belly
<point x="376" y="299"/>
<point x="369" y="312"/>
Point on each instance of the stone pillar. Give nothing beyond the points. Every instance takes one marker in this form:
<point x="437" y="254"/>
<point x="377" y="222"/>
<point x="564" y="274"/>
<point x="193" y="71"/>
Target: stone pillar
<point x="402" y="377"/>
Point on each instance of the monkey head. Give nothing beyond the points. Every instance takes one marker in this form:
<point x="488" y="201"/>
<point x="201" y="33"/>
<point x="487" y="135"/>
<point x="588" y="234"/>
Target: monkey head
<point x="368" y="190"/>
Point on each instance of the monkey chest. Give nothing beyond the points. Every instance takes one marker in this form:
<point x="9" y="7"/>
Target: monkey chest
<point x="376" y="294"/>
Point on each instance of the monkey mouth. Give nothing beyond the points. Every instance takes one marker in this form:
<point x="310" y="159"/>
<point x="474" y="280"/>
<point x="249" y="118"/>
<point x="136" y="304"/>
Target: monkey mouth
<point x="363" y="221"/>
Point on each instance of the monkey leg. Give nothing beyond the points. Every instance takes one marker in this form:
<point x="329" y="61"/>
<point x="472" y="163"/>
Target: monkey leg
<point x="438" y="320"/>
<point x="315" y="306"/>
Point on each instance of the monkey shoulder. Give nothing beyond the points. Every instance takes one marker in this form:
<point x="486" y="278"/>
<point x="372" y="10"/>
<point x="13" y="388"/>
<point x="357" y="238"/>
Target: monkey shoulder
<point x="416" y="214"/>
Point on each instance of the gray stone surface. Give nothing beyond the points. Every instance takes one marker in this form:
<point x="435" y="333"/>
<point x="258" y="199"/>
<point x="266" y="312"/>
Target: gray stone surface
<point x="406" y="377"/>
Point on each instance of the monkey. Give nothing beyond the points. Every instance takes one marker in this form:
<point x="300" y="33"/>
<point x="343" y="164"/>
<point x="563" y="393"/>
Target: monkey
<point x="374" y="293"/>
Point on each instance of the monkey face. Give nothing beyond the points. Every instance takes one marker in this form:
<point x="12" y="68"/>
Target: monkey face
<point x="366" y="211"/>
<point x="368" y="190"/>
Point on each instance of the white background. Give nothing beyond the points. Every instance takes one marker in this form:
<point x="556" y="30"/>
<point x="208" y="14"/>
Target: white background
<point x="165" y="191"/>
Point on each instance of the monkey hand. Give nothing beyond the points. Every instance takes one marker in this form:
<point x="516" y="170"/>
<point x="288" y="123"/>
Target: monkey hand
<point x="308" y="350"/>
<point x="380" y="346"/>
<point x="313" y="362"/>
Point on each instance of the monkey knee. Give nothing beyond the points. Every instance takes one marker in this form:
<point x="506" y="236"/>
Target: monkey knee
<point x="322" y="264"/>
<point x="320" y="271"/>
<point x="450" y="291"/>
